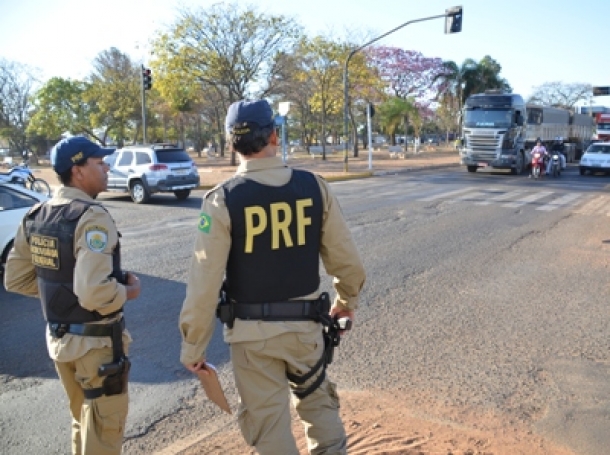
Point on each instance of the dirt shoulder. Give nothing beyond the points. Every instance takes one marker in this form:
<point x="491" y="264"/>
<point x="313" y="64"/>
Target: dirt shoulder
<point x="382" y="422"/>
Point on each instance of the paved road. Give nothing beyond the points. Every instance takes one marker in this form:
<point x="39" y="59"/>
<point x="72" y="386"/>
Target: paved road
<point x="485" y="292"/>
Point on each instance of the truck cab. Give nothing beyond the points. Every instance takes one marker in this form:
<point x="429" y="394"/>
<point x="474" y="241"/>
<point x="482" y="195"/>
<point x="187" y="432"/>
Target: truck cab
<point x="493" y="132"/>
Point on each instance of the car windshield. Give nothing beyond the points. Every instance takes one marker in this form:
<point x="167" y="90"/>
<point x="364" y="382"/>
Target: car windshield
<point x="172" y="156"/>
<point x="488" y="118"/>
<point x="599" y="149"/>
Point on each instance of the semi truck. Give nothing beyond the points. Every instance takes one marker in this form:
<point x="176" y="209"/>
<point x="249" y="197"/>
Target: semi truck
<point x="603" y="126"/>
<point x="500" y="129"/>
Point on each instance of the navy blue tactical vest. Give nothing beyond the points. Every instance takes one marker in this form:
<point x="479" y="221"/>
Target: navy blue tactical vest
<point x="50" y="232"/>
<point x="275" y="238"/>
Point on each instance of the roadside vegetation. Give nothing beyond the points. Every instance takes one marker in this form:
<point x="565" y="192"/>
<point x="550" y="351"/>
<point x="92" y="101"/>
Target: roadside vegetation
<point x="200" y="66"/>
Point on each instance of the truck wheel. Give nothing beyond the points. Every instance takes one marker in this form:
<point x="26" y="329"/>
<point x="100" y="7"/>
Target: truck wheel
<point x="139" y="193"/>
<point x="472" y="168"/>
<point x="518" y="169"/>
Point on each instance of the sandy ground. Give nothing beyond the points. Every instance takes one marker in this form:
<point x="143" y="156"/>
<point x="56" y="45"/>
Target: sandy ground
<point x="382" y="423"/>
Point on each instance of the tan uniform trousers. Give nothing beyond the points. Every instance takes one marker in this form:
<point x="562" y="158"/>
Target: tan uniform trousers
<point x="97" y="425"/>
<point x="264" y="411"/>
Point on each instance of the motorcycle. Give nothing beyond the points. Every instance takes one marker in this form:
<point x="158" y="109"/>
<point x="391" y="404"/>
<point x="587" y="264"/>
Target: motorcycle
<point x="538" y="164"/>
<point x="555" y="165"/>
<point x="22" y="175"/>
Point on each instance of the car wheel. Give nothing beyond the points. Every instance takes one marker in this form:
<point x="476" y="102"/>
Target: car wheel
<point x="4" y="256"/>
<point x="139" y="193"/>
<point x="182" y="194"/>
<point x="472" y="168"/>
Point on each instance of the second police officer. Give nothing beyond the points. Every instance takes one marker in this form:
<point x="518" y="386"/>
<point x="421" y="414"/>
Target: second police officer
<point x="260" y="238"/>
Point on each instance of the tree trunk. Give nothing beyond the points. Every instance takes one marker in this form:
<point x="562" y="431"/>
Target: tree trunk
<point x="406" y="133"/>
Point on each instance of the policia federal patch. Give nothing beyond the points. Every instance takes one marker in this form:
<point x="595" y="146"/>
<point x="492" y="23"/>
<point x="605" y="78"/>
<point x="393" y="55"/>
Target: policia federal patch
<point x="45" y="251"/>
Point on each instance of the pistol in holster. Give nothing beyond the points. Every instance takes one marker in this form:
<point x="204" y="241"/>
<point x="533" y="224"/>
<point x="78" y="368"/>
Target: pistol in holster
<point x="115" y="374"/>
<point x="224" y="310"/>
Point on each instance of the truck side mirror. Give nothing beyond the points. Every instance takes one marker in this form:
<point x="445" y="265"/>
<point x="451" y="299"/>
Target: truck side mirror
<point x="519" y="120"/>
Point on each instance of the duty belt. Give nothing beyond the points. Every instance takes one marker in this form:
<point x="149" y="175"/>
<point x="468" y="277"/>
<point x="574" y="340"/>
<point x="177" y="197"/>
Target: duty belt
<point x="58" y="330"/>
<point x="291" y="310"/>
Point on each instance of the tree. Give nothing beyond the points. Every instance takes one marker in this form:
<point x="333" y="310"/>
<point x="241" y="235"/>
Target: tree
<point x="457" y="83"/>
<point x="236" y="51"/>
<point x="394" y="112"/>
<point x="16" y="87"/>
<point x="405" y="73"/>
<point x="560" y="94"/>
<point x="409" y="76"/>
<point x="114" y="97"/>
<point x="60" y="107"/>
<point x="320" y="66"/>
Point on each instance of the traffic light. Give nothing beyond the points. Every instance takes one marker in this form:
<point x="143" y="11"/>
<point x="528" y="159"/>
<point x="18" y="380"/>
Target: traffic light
<point x="453" y="20"/>
<point x="146" y="78"/>
<point x="601" y="91"/>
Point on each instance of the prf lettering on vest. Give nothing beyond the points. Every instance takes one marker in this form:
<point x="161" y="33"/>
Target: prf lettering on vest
<point x="281" y="216"/>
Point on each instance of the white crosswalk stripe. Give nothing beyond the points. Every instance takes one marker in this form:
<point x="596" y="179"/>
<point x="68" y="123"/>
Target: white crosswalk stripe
<point x="434" y="197"/>
<point x="560" y="202"/>
<point x="501" y="197"/>
<point x="545" y="201"/>
<point x="528" y="199"/>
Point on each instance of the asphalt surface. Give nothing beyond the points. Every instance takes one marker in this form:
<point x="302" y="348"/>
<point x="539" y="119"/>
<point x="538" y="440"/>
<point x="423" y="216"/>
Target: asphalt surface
<point x="484" y="292"/>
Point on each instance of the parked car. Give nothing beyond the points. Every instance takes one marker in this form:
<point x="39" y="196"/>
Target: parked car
<point x="596" y="158"/>
<point x="15" y="201"/>
<point x="142" y="170"/>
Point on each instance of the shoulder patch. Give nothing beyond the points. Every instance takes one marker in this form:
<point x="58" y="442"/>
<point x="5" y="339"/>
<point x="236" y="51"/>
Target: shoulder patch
<point x="96" y="238"/>
<point x="205" y="223"/>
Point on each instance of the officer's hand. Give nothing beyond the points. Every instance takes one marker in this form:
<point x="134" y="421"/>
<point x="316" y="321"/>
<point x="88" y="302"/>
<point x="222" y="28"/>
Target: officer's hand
<point x="133" y="286"/>
<point x="335" y="312"/>
<point x="197" y="367"/>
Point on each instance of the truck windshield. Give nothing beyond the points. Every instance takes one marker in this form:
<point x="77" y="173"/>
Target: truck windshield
<point x="488" y="118"/>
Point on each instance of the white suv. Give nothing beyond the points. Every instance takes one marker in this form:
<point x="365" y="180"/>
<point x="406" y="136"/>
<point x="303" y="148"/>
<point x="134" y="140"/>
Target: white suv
<point x="142" y="170"/>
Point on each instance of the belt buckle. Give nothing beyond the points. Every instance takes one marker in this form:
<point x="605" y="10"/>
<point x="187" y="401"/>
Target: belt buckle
<point x="59" y="330"/>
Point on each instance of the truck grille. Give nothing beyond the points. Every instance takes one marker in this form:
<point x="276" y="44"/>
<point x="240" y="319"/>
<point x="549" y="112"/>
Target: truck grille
<point x="483" y="146"/>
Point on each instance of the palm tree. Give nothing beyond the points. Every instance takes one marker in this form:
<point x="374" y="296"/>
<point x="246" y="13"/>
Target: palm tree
<point x="459" y="82"/>
<point x="393" y="112"/>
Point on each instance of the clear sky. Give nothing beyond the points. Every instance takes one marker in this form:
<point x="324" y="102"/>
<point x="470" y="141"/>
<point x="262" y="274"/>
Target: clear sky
<point x="535" y="41"/>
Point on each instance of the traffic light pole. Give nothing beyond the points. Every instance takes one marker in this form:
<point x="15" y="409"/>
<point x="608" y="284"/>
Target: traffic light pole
<point x="448" y="13"/>
<point x="143" y="105"/>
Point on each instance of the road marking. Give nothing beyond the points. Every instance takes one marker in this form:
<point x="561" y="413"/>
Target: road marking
<point x="501" y="197"/>
<point x="527" y="199"/>
<point x="563" y="200"/>
<point x="446" y="194"/>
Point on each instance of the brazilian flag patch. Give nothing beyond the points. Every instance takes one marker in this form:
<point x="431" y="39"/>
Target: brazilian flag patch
<point x="205" y="223"/>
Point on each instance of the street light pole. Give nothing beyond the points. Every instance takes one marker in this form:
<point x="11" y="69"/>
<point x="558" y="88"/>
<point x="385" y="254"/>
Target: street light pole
<point x="450" y="27"/>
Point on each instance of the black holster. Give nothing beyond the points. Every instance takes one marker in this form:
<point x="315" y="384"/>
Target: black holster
<point x="224" y="310"/>
<point x="115" y="374"/>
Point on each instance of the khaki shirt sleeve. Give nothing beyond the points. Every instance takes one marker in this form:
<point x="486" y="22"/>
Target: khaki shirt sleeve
<point x="95" y="239"/>
<point x="19" y="273"/>
<point x="339" y="253"/>
<point x="206" y="274"/>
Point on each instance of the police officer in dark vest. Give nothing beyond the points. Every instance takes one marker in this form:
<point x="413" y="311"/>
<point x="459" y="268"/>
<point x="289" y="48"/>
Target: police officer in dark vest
<point x="67" y="253"/>
<point x="260" y="238"/>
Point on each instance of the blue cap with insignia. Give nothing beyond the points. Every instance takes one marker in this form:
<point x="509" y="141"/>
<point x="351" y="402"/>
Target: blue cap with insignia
<point x="73" y="150"/>
<point x="244" y="115"/>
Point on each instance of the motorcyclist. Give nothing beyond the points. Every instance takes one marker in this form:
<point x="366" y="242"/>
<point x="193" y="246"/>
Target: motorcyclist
<point x="558" y="148"/>
<point x="539" y="148"/>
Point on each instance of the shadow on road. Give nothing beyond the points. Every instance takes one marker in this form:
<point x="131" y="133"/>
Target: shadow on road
<point x="151" y="320"/>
